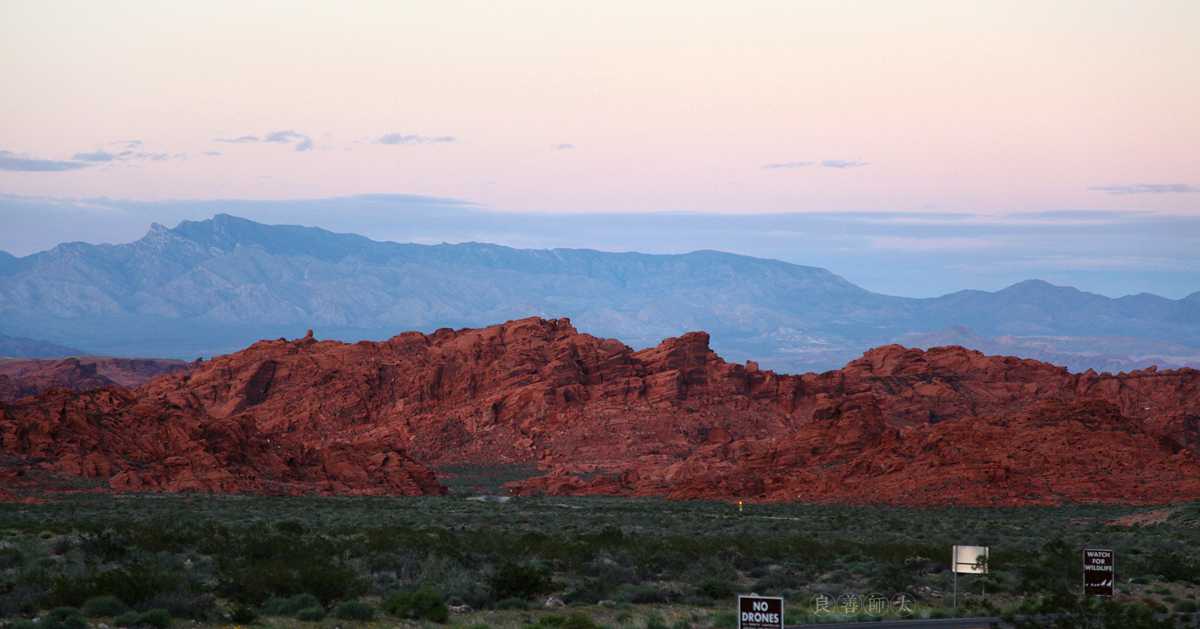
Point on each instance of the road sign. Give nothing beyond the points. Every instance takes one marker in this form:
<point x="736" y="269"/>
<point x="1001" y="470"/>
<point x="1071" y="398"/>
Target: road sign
<point x="1099" y="572"/>
<point x="760" y="612"/>
<point x="970" y="559"/>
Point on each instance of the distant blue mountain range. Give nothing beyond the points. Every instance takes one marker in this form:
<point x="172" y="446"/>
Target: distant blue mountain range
<point x="214" y="286"/>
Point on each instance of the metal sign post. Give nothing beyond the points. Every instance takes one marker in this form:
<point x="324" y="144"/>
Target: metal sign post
<point x="760" y="612"/>
<point x="970" y="560"/>
<point x="1099" y="572"/>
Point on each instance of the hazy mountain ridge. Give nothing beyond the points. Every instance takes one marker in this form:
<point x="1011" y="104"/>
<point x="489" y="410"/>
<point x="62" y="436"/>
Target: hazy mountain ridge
<point x="1098" y="353"/>
<point x="18" y="347"/>
<point x="212" y="286"/>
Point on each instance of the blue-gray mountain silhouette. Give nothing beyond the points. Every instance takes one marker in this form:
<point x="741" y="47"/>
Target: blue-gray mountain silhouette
<point x="214" y="286"/>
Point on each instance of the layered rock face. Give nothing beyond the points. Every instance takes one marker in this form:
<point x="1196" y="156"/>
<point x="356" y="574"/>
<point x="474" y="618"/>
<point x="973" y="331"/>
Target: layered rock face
<point x="26" y="377"/>
<point x="1084" y="451"/>
<point x="943" y="426"/>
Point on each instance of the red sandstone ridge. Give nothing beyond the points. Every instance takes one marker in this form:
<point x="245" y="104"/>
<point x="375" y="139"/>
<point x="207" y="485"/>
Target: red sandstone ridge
<point x="141" y="442"/>
<point x="29" y="376"/>
<point x="670" y="420"/>
<point x="1084" y="451"/>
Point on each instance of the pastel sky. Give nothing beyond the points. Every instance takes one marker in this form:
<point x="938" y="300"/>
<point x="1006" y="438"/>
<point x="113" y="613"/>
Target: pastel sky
<point x="735" y="107"/>
<point x="915" y="147"/>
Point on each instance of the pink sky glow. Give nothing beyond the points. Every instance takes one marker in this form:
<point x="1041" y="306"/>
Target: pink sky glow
<point x="610" y="106"/>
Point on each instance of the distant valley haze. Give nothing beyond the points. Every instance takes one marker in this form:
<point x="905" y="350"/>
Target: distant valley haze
<point x="214" y="286"/>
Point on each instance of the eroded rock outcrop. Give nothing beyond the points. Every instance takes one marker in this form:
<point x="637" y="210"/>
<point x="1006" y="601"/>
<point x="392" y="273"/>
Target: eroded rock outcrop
<point x="25" y="377"/>
<point x="1084" y="451"/>
<point x="600" y="418"/>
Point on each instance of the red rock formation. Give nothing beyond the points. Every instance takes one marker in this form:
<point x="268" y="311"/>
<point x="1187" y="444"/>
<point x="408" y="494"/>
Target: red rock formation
<point x="665" y="420"/>
<point x="142" y="442"/>
<point x="25" y="377"/>
<point x="1084" y="451"/>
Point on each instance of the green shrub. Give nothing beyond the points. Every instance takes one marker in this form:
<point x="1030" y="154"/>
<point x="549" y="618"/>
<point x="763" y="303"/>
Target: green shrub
<point x="272" y="606"/>
<point x="398" y="603"/>
<point x="716" y="589"/>
<point x="63" y="618"/>
<point x="513" y="603"/>
<point x="355" y="610"/>
<point x="98" y="606"/>
<point x="159" y="618"/>
<point x="639" y="594"/>
<point x="428" y="604"/>
<point x="552" y="620"/>
<point x="135" y="586"/>
<point x="11" y="558"/>
<point x="184" y="603"/>
<point x="513" y="581"/>
<point x="655" y="622"/>
<point x="725" y="619"/>
<point x="480" y="625"/>
<point x="1185" y="607"/>
<point x="241" y="614"/>
<point x="425" y="603"/>
<point x="579" y="620"/>
<point x="128" y="619"/>
<point x="290" y="606"/>
<point x="311" y="614"/>
<point x="25" y="624"/>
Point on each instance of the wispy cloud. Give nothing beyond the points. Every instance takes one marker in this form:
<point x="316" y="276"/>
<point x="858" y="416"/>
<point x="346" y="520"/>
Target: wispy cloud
<point x="12" y="162"/>
<point x="1146" y="188"/>
<point x="789" y="165"/>
<point x="839" y="163"/>
<point x="397" y="138"/>
<point x="98" y="156"/>
<point x="828" y="163"/>
<point x="210" y="153"/>
<point x="241" y="140"/>
<point x="303" y="142"/>
<point x="102" y="156"/>
<point x="562" y="147"/>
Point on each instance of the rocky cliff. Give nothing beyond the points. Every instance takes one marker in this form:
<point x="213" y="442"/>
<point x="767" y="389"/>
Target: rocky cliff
<point x="25" y="377"/>
<point x="325" y="416"/>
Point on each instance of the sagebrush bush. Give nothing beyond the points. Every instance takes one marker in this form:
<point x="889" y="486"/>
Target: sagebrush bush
<point x="63" y="618"/>
<point x="639" y="594"/>
<point x="128" y="619"/>
<point x="290" y="606"/>
<point x="159" y="618"/>
<point x="184" y="603"/>
<point x="514" y="581"/>
<point x="99" y="606"/>
<point x="716" y="589"/>
<point x="311" y="614"/>
<point x="355" y="610"/>
<point x="11" y="558"/>
<point x="579" y="620"/>
<point x="724" y="619"/>
<point x="425" y="603"/>
<point x="241" y="614"/>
